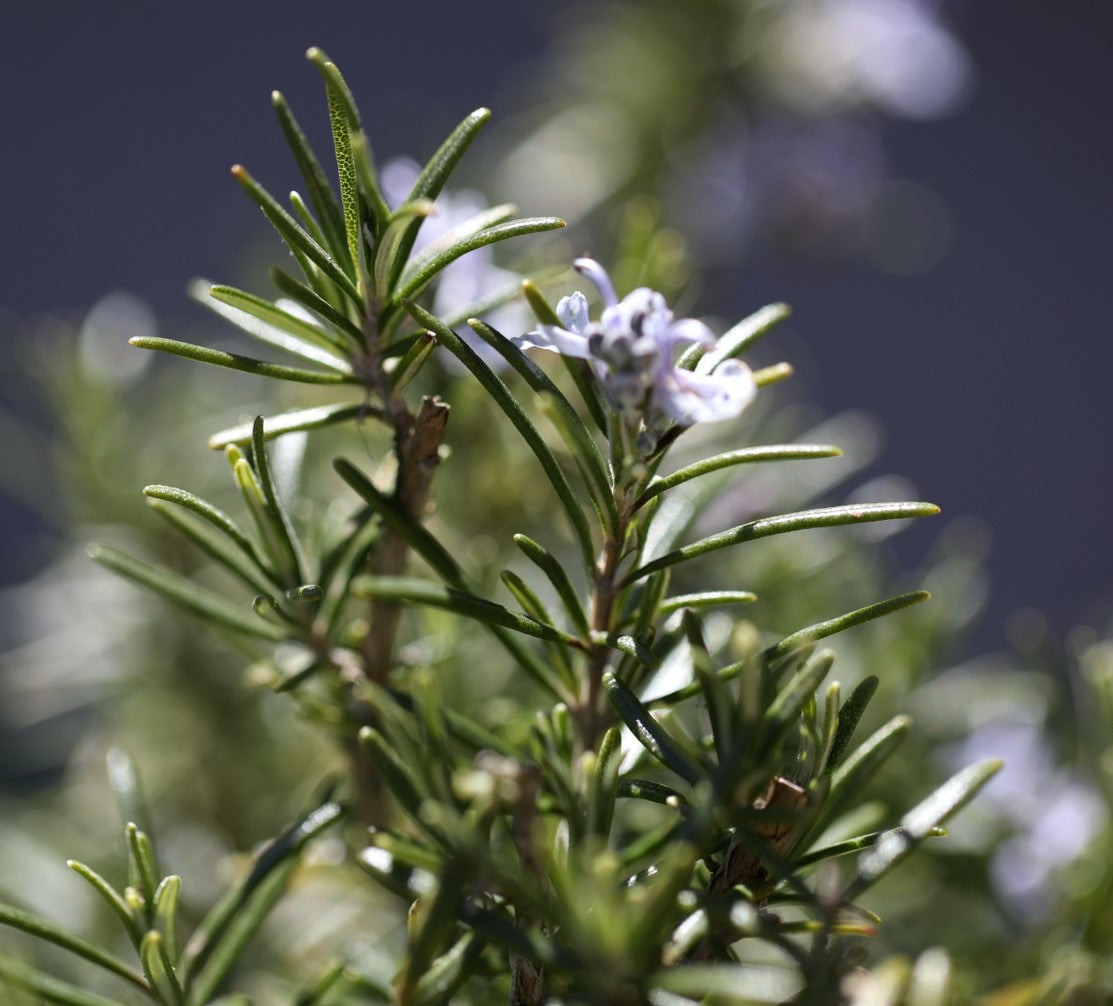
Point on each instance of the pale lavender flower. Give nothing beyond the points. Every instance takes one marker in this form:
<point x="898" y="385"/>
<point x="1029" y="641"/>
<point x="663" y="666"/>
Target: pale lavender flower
<point x="632" y="348"/>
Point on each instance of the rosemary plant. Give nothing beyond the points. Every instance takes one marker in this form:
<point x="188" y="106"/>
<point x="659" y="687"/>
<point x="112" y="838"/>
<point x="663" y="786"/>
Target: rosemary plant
<point x="673" y="820"/>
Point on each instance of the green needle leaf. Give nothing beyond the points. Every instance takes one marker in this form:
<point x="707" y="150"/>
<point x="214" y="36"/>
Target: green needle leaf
<point x="225" y="930"/>
<point x="580" y="443"/>
<point x="114" y="899"/>
<point x="773" y="452"/>
<point x="704" y="599"/>
<point x="544" y="560"/>
<point x="159" y="970"/>
<point x="801" y="521"/>
<point x="849" y="716"/>
<point x="297" y="419"/>
<point x="736" y="340"/>
<point x="43" y="929"/>
<point x="214" y="516"/>
<point x="655" y="792"/>
<point x="312" y="301"/>
<point x="320" y="193"/>
<point x="247" y="364"/>
<point x="788" y="705"/>
<point x="850" y="777"/>
<point x="422" y="276"/>
<point x="390" y="244"/>
<point x="272" y="324"/>
<point x="217" y="548"/>
<point x="649" y="732"/>
<point x="454" y="235"/>
<point x="16" y="974"/>
<point x="434" y="175"/>
<point x="414" y="591"/>
<point x="821" y="630"/>
<point x="513" y="410"/>
<point x="206" y="603"/>
<point x="411" y="531"/>
<point x="921" y="822"/>
<point x="142" y="857"/>
<point x="295" y="235"/>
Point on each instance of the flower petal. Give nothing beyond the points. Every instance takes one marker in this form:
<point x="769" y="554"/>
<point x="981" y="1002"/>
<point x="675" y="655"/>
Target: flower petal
<point x="554" y="338"/>
<point x="572" y="310"/>
<point x="690" y="398"/>
<point x="598" y="275"/>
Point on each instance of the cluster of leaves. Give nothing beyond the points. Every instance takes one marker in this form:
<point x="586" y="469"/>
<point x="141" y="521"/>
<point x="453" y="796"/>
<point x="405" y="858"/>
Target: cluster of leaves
<point x="541" y="855"/>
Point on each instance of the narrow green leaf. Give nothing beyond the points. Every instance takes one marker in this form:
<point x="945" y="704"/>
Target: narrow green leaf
<point x="433" y="176"/>
<point x="142" y="856"/>
<point x="316" y="183"/>
<point x="415" y="591"/>
<point x="214" y="516"/>
<point x="513" y="410"/>
<point x="847" y="848"/>
<point x="344" y="118"/>
<point x="272" y="324"/>
<point x="748" y="455"/>
<point x="603" y="785"/>
<point x="215" y="547"/>
<point x="233" y="361"/>
<point x="367" y="178"/>
<point x="920" y="822"/>
<point x="239" y="932"/>
<point x="490" y="217"/>
<point x="625" y="643"/>
<point x="111" y="896"/>
<point x="649" y="732"/>
<point x="43" y="929"/>
<point x="736" y="340"/>
<point x="801" y="521"/>
<point x="531" y="604"/>
<point x="297" y="419"/>
<point x="403" y="783"/>
<point x="288" y="548"/>
<point x="202" y="602"/>
<point x="773" y="375"/>
<point x="251" y="898"/>
<point x="704" y="599"/>
<point x="821" y="630"/>
<point x="721" y="709"/>
<point x="410" y="364"/>
<point x="313" y="301"/>
<point x="545" y="561"/>
<point x="654" y="792"/>
<point x="390" y="244"/>
<point x="159" y="970"/>
<point x="581" y="444"/>
<point x="850" y="778"/>
<point x="401" y="523"/>
<point x="166" y="912"/>
<point x="787" y="706"/>
<point x="448" y="972"/>
<point x="338" y="571"/>
<point x="294" y="235"/>
<point x="320" y="988"/>
<point x="16" y="974"/>
<point x="421" y="277"/>
<point x="849" y="716"/>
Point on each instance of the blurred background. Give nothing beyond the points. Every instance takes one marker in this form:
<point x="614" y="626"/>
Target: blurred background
<point x="925" y="182"/>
